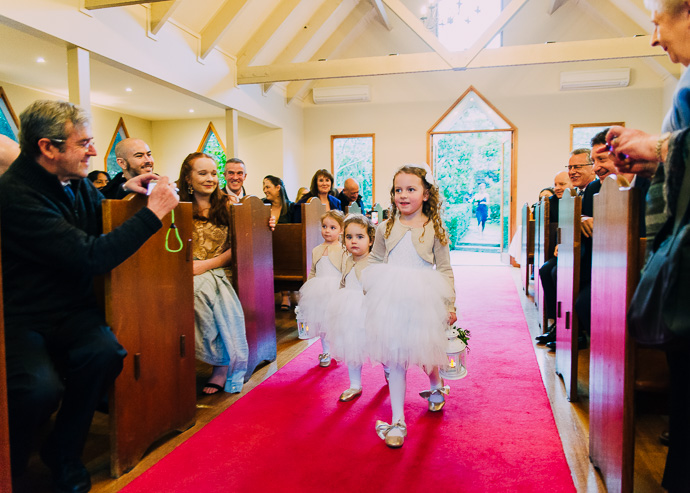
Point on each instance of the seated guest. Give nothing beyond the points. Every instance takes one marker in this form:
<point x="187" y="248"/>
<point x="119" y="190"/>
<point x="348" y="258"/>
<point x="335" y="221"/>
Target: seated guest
<point x="350" y="194"/>
<point x="321" y="187"/>
<point x="300" y="193"/>
<point x="546" y="193"/>
<point x="235" y="174"/>
<point x="9" y="150"/>
<point x="581" y="174"/>
<point x="134" y="157"/>
<point x="603" y="167"/>
<point x="99" y="179"/>
<point x="276" y="195"/>
<point x="220" y="336"/>
<point x="281" y="212"/>
<point x="60" y="352"/>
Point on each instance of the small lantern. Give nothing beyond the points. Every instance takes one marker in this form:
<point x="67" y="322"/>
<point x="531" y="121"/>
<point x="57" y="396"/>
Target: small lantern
<point x="303" y="330"/>
<point x="456" y="351"/>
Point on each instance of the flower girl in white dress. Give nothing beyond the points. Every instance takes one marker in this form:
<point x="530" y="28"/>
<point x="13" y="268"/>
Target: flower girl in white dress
<point x="346" y="310"/>
<point x="324" y="279"/>
<point x="409" y="303"/>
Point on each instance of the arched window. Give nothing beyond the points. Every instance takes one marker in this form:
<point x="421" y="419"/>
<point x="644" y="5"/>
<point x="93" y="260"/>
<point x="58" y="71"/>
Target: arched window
<point x="211" y="144"/>
<point x="111" y="166"/>
<point x="9" y="124"/>
<point x="471" y="150"/>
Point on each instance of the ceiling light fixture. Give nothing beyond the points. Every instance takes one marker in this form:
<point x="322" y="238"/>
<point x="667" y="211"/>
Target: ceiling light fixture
<point x="191" y="111"/>
<point x="128" y="89"/>
<point x="40" y="60"/>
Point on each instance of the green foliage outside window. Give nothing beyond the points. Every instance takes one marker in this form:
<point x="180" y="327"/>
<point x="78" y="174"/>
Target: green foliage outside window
<point x="353" y="157"/>
<point x="7" y="126"/>
<point x="463" y="162"/>
<point x="213" y="147"/>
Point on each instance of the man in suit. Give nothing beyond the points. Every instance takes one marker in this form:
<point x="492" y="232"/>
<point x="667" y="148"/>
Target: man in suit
<point x="581" y="174"/>
<point x="603" y="167"/>
<point x="235" y="174"/>
<point x="135" y="158"/>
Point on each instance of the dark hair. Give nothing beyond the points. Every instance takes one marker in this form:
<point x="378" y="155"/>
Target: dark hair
<point x="93" y="176"/>
<point x="219" y="213"/>
<point x="314" y="188"/>
<point x="277" y="182"/>
<point x="547" y="189"/>
<point x="600" y="138"/>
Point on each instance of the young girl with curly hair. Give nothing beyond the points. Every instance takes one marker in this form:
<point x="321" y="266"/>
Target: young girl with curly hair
<point x="409" y="303"/>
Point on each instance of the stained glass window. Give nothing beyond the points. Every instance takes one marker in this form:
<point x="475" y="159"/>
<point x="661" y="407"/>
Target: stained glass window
<point x="211" y="144"/>
<point x="111" y="166"/>
<point x="9" y="125"/>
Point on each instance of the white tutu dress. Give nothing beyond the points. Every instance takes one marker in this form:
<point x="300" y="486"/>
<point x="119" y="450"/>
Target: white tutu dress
<point x="317" y="292"/>
<point x="346" y="312"/>
<point x="406" y="309"/>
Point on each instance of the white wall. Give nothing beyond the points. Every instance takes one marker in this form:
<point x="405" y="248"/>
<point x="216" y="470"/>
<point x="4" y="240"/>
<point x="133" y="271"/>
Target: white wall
<point x="104" y="121"/>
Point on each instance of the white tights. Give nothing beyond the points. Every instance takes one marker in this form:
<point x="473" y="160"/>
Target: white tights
<point x="397" y="385"/>
<point x="324" y="345"/>
<point x="355" y="372"/>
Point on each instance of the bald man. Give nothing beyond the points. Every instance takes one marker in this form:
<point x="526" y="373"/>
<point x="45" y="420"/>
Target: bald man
<point x="351" y="194"/>
<point x="560" y="182"/>
<point x="134" y="157"/>
<point x="9" y="151"/>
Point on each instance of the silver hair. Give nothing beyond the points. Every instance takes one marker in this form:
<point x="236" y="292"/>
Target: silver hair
<point x="670" y="6"/>
<point x="45" y="119"/>
<point x="583" y="150"/>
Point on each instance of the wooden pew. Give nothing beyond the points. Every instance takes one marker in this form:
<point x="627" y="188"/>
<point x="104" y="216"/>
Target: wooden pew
<point x="354" y="209"/>
<point x="252" y="277"/>
<point x="149" y="303"/>
<point x="542" y="252"/>
<point x="617" y="366"/>
<point x="568" y="287"/>
<point x="5" y="469"/>
<point x="292" y="246"/>
<point x="527" y="247"/>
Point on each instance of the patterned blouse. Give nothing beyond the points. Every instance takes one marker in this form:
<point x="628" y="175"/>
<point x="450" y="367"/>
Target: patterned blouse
<point x="209" y="241"/>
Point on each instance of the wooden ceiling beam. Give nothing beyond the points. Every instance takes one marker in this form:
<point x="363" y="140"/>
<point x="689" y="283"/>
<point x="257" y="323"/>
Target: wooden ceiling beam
<point x="212" y="33"/>
<point x="572" y="51"/>
<point x="355" y="23"/>
<point x="554" y="5"/>
<point x="490" y="32"/>
<point x="418" y="28"/>
<point x="106" y="4"/>
<point x="160" y="13"/>
<point x="259" y="39"/>
<point x="381" y="13"/>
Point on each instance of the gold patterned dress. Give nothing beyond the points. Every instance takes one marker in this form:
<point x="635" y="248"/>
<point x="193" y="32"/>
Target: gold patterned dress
<point x="220" y="333"/>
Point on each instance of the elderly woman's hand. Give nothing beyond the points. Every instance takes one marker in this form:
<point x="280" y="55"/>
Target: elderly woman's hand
<point x="633" y="151"/>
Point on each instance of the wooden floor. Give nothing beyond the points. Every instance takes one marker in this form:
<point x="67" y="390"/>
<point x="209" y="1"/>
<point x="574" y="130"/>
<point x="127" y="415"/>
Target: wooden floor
<point x="571" y="419"/>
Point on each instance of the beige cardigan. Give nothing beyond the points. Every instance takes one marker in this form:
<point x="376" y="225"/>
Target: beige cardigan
<point x="428" y="247"/>
<point x="349" y="264"/>
<point x="336" y="255"/>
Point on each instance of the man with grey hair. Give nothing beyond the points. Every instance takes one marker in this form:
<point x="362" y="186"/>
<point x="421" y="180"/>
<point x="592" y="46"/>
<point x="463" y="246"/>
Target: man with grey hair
<point x="134" y="157"/>
<point x="9" y="150"/>
<point x="60" y="352"/>
<point x="235" y="174"/>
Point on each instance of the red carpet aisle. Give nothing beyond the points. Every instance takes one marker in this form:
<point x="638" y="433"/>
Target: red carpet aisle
<point x="291" y="434"/>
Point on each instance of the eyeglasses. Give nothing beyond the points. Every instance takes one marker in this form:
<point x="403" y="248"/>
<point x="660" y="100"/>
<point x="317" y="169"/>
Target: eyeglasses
<point x="576" y="167"/>
<point x="84" y="144"/>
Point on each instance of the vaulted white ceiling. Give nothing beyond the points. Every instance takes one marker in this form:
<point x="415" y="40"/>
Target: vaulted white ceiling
<point x="291" y="45"/>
